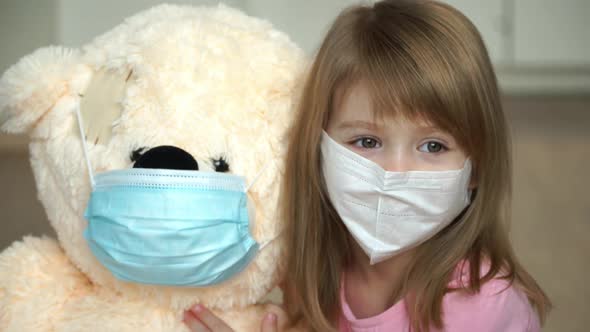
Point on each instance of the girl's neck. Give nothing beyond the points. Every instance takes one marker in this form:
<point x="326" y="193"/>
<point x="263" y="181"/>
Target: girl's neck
<point x="389" y="270"/>
<point x="372" y="289"/>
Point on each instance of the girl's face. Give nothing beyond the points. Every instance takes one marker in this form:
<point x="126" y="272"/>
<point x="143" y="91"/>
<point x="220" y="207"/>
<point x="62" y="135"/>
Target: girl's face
<point x="396" y="144"/>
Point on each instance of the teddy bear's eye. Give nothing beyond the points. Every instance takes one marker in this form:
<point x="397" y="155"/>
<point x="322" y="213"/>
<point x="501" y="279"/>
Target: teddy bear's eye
<point x="136" y="154"/>
<point x="221" y="165"/>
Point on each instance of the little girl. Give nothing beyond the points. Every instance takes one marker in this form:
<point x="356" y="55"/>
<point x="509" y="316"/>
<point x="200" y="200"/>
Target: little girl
<point x="398" y="182"/>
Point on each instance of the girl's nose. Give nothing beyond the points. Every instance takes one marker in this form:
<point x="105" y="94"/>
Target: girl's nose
<point x="398" y="161"/>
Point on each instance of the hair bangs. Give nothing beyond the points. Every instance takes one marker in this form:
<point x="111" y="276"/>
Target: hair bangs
<point x="408" y="77"/>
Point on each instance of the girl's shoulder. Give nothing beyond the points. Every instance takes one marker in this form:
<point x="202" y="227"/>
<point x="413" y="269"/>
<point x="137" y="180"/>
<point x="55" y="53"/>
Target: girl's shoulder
<point x="499" y="305"/>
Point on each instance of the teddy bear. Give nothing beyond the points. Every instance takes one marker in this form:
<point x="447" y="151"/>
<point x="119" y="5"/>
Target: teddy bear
<point x="157" y="153"/>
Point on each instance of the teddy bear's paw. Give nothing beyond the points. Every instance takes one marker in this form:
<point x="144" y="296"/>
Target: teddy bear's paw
<point x="36" y="279"/>
<point x="104" y="310"/>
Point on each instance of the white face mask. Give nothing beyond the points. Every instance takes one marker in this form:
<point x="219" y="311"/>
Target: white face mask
<point x="389" y="212"/>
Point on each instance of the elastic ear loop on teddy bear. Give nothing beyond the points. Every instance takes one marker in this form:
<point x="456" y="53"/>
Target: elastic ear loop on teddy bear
<point x="268" y="241"/>
<point x="83" y="139"/>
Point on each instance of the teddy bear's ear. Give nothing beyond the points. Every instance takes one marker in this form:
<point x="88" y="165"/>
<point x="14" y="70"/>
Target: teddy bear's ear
<point x="30" y="88"/>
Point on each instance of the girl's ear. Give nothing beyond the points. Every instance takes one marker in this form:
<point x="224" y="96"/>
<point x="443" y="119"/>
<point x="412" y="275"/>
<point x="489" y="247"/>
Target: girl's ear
<point x="30" y="88"/>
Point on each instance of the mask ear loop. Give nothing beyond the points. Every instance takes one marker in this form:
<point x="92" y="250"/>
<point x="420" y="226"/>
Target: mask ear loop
<point x="258" y="176"/>
<point x="268" y="241"/>
<point x="83" y="139"/>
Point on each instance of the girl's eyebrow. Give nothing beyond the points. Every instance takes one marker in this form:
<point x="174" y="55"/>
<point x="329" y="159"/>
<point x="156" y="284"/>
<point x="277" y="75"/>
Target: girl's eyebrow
<point x="358" y="124"/>
<point x="430" y="130"/>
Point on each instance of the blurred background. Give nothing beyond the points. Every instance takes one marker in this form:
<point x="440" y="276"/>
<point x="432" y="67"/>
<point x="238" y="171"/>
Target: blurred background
<point x="541" y="52"/>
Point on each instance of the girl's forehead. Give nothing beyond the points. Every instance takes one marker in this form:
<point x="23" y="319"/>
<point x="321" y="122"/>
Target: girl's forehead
<point x="356" y="104"/>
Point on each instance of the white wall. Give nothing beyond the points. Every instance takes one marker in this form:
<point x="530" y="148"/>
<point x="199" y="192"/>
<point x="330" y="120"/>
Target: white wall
<point x="552" y="33"/>
<point x="81" y="20"/>
<point x="538" y="46"/>
<point x="25" y="25"/>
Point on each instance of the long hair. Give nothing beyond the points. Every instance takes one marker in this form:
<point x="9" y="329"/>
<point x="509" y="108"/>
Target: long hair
<point x="420" y="59"/>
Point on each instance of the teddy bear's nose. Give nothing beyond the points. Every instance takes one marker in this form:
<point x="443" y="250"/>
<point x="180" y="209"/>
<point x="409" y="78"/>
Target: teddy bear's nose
<point x="167" y="157"/>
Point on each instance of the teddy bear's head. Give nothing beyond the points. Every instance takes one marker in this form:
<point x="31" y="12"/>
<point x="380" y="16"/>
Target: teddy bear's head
<point x="179" y="89"/>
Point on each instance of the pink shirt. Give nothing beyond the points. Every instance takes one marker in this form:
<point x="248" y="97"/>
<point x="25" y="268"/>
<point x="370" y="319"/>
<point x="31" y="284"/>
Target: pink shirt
<point x="496" y="307"/>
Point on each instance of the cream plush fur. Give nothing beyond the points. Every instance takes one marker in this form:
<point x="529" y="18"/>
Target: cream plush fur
<point x="209" y="80"/>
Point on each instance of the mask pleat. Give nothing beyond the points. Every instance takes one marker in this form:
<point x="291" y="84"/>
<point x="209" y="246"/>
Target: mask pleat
<point x="166" y="227"/>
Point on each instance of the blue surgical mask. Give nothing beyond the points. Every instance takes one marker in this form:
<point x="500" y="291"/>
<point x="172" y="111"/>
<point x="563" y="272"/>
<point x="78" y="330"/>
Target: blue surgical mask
<point x="169" y="227"/>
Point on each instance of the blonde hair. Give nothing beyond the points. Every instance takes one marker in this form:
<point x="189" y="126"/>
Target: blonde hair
<point x="419" y="59"/>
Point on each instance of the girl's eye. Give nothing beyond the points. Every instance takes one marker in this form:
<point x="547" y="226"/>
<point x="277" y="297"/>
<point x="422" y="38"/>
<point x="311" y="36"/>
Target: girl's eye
<point x="432" y="147"/>
<point x="367" y="143"/>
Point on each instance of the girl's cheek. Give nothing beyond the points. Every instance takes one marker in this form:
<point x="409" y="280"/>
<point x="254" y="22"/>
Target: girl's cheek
<point x="371" y="154"/>
<point x="375" y="155"/>
<point x="443" y="161"/>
